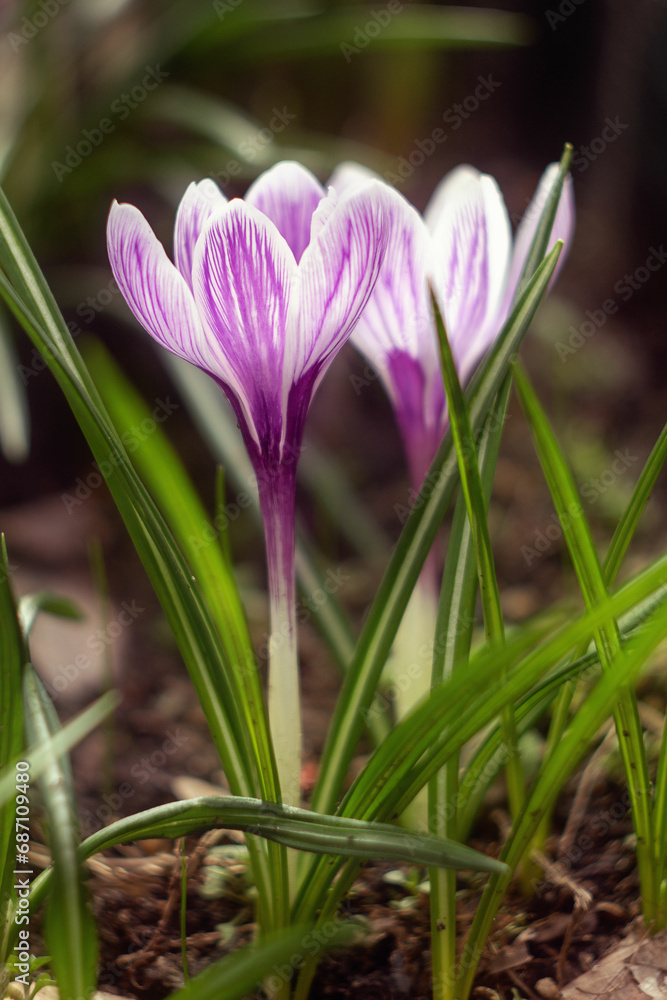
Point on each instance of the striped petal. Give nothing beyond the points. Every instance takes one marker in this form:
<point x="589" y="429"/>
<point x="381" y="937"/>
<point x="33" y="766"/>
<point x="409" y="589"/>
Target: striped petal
<point x="472" y="244"/>
<point x="155" y="291"/>
<point x="336" y="276"/>
<point x="242" y="275"/>
<point x="197" y="205"/>
<point x="398" y="316"/>
<point x="348" y="175"/>
<point x="420" y="408"/>
<point x="562" y="229"/>
<point x="397" y="335"/>
<point x="288" y="194"/>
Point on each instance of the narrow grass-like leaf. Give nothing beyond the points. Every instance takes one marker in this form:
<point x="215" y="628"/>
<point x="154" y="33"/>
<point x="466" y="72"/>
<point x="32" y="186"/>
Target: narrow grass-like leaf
<point x="565" y="757"/>
<point x="13" y="655"/>
<point x="297" y="828"/>
<point x="473" y="494"/>
<point x="70" y="927"/>
<point x="197" y="535"/>
<point x="241" y="974"/>
<point x="217" y="677"/>
<point x="59" y="744"/>
<point x="454" y="627"/>
<point x="419" y="26"/>
<point x="471" y="486"/>
<point x="411" y="550"/>
<point x="481" y="770"/>
<point x="622" y="538"/>
<point x="626" y="527"/>
<point x="591" y="580"/>
<point x="660" y="832"/>
<point x="455" y="713"/>
<point x="419" y="532"/>
<point x="14" y="415"/>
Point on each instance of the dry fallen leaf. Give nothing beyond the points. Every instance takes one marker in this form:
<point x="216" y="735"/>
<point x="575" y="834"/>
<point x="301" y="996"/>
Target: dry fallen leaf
<point x="635" y="970"/>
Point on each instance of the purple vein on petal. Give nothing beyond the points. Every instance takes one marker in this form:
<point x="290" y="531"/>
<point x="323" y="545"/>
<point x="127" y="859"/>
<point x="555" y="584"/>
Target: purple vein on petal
<point x="200" y="201"/>
<point x="153" y="288"/>
<point x="562" y="229"/>
<point x="243" y="272"/>
<point x="335" y="279"/>
<point x="398" y="315"/>
<point x="288" y="194"/>
<point x="472" y="245"/>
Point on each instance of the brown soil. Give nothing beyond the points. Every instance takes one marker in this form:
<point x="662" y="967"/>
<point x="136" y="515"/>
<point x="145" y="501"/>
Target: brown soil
<point x="550" y="938"/>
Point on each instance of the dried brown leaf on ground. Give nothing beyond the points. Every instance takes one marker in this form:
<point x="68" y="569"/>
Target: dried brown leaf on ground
<point x="634" y="970"/>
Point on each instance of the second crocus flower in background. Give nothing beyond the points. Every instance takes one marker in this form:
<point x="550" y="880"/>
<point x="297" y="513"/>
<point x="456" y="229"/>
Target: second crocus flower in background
<point x="463" y="246"/>
<point x="262" y="294"/>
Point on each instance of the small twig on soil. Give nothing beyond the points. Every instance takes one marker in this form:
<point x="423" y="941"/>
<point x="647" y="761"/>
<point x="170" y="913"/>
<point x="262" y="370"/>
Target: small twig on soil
<point x="583" y="900"/>
<point x="587" y="782"/>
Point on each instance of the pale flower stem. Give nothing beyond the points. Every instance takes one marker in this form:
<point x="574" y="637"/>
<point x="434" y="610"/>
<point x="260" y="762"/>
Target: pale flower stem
<point x="408" y="671"/>
<point x="277" y="501"/>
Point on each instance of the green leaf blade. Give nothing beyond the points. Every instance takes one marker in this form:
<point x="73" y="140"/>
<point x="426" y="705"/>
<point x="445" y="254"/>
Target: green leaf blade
<point x="70" y="927"/>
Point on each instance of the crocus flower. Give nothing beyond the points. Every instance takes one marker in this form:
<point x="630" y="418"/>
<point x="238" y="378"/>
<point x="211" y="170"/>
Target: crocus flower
<point x="262" y="294"/>
<point x="463" y="244"/>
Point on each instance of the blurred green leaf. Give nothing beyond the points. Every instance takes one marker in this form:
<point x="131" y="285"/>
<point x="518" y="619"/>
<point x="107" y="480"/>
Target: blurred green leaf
<point x="71" y="931"/>
<point x="414" y="26"/>
<point x="13" y="655"/>
<point x="60" y="743"/>
<point x="14" y="416"/>
<point x="53" y="604"/>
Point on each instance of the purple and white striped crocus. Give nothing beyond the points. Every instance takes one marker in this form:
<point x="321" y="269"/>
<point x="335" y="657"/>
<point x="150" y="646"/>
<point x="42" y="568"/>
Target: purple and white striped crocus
<point x="463" y="245"/>
<point x="262" y="294"/>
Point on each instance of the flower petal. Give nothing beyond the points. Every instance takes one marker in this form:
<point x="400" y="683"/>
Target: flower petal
<point x="152" y="287"/>
<point x="288" y="194"/>
<point x="348" y="175"/>
<point x="322" y="213"/>
<point x="562" y="229"/>
<point x="472" y="244"/>
<point x="398" y="315"/>
<point x="335" y="279"/>
<point x="197" y="205"/>
<point x="242" y="273"/>
<point x="420" y="407"/>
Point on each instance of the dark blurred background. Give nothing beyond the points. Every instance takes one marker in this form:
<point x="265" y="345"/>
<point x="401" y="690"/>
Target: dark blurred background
<point x="132" y="99"/>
